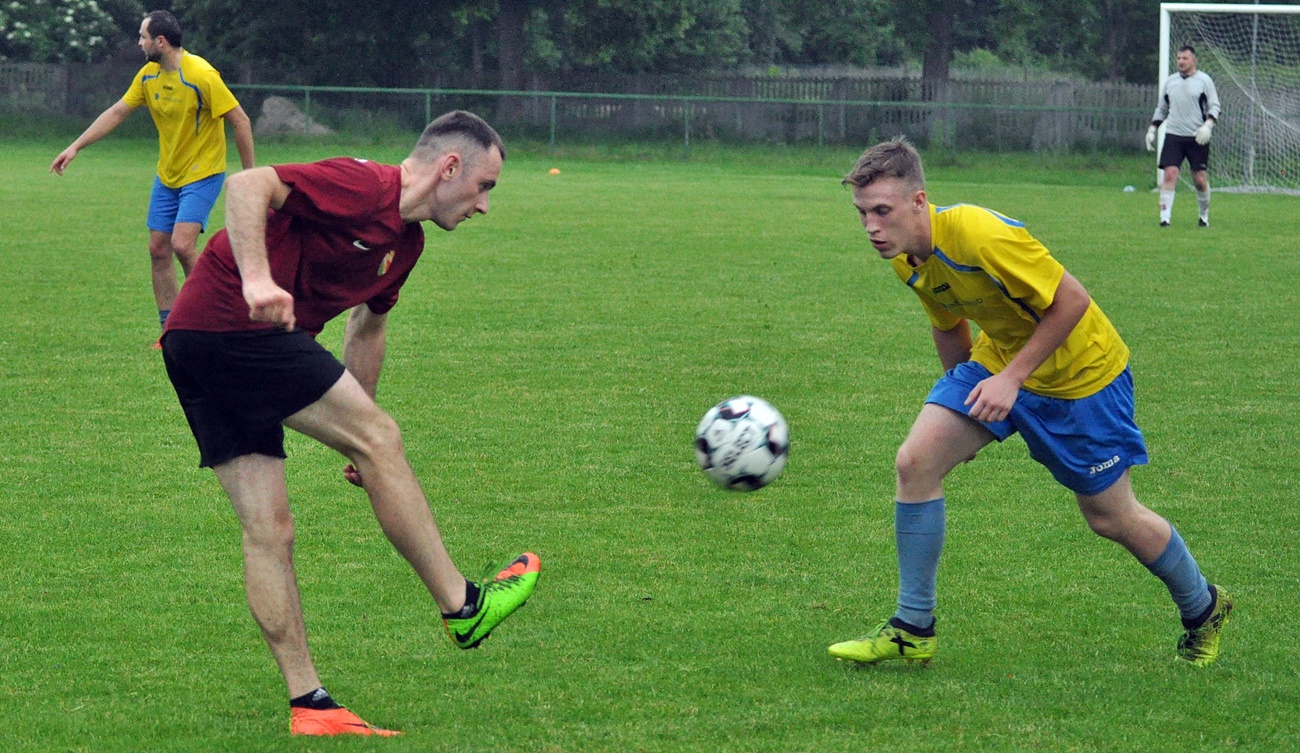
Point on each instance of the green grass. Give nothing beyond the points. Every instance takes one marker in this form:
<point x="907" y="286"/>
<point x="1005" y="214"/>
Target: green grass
<point x="548" y="364"/>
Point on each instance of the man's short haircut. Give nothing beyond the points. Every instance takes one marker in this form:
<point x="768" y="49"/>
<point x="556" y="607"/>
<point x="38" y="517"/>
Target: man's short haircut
<point x="1188" y="48"/>
<point x="896" y="158"/>
<point x="439" y="137"/>
<point x="164" y="24"/>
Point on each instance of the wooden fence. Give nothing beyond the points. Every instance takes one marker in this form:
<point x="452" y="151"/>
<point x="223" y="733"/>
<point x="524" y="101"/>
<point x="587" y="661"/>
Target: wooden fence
<point x="994" y="115"/>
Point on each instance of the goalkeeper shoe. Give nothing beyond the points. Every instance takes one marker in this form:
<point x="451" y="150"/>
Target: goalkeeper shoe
<point x="328" y="722"/>
<point x="1200" y="645"/>
<point x="891" y="639"/>
<point x="498" y="598"/>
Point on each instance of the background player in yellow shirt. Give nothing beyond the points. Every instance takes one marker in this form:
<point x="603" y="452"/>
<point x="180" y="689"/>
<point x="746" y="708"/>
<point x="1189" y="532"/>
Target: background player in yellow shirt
<point x="189" y="104"/>
<point x="1047" y="363"/>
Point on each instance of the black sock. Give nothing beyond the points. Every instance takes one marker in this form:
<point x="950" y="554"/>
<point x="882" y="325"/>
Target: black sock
<point x="471" y="603"/>
<point x="1200" y="619"/>
<point x="318" y="699"/>
<point x="919" y="632"/>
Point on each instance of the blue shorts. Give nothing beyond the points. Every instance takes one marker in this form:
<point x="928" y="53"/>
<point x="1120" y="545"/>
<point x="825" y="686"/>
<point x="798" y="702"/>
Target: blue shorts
<point x="191" y="202"/>
<point x="1086" y="443"/>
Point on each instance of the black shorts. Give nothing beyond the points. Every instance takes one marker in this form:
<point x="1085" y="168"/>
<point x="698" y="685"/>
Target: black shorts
<point x="1177" y="148"/>
<point x="236" y="387"/>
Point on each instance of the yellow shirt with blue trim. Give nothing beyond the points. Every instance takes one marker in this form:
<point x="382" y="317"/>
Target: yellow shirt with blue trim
<point x="988" y="269"/>
<point x="186" y="105"/>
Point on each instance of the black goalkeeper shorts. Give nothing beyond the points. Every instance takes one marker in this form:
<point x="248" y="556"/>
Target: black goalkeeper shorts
<point x="1178" y="148"/>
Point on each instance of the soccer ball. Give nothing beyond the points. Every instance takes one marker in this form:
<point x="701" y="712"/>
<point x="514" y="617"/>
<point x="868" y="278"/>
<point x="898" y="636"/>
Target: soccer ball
<point x="742" y="443"/>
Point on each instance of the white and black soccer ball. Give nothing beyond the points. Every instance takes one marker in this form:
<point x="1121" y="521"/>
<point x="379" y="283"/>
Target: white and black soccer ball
<point x="742" y="443"/>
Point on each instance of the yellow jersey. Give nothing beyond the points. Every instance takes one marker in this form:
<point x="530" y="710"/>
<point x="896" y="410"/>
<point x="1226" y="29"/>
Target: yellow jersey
<point x="186" y="106"/>
<point x="988" y="269"/>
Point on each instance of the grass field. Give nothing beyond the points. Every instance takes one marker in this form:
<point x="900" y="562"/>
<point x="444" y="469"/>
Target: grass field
<point x="548" y="364"/>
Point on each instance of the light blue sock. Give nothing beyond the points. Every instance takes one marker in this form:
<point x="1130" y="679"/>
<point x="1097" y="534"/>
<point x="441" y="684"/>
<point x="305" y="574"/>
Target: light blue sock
<point x="918" y="533"/>
<point x="1177" y="568"/>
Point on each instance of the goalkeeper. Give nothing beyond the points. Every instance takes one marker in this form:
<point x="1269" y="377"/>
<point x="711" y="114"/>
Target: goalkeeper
<point x="1189" y="107"/>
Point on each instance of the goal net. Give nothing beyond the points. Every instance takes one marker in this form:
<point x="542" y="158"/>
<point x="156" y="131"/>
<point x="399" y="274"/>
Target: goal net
<point x="1253" y="54"/>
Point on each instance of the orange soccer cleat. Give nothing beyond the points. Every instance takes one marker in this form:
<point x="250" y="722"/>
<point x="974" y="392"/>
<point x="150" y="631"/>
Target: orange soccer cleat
<point x="328" y="722"/>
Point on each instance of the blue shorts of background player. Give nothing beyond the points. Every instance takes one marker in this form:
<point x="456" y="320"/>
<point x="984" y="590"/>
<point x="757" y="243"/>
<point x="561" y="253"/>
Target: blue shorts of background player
<point x="1087" y="443"/>
<point x="191" y="202"/>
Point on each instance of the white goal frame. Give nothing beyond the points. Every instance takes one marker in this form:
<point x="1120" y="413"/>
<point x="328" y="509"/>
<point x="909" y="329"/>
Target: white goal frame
<point x="1166" y="10"/>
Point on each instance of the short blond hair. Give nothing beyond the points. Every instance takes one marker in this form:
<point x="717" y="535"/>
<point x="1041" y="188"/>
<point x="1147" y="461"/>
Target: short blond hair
<point x="896" y="158"/>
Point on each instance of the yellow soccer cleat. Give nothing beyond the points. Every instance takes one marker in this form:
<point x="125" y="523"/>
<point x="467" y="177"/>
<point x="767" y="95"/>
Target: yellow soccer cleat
<point x="1200" y="645"/>
<point x="891" y="639"/>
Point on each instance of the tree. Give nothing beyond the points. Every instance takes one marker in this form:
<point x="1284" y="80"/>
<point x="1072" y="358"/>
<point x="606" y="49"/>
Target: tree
<point x="662" y="36"/>
<point x="400" y="43"/>
<point x="807" y="32"/>
<point x="341" y="42"/>
<point x="511" y="18"/>
<point x="71" y="31"/>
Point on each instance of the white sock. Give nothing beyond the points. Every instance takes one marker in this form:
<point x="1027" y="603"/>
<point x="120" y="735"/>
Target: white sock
<point x="1166" y="205"/>
<point x="1203" y="203"/>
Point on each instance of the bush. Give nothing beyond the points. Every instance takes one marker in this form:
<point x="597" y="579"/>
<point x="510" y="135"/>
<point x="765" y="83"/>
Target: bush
<point x="64" y="31"/>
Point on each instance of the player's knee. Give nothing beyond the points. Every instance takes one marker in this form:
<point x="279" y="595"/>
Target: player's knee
<point x="1105" y="525"/>
<point x="160" y="250"/>
<point x="380" y="440"/>
<point x="183" y="250"/>
<point x="269" y="532"/>
<point x="913" y="466"/>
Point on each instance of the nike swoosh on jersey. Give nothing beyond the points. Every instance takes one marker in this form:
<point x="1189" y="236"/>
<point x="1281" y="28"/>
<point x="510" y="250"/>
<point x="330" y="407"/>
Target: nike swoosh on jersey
<point x="361" y="245"/>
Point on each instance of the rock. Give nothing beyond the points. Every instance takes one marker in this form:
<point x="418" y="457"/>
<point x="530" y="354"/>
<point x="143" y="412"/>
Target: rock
<point x="282" y="115"/>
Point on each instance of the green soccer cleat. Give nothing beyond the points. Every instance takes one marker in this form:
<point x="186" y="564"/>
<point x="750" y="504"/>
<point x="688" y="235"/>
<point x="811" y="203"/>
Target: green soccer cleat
<point x="891" y="639"/>
<point x="498" y="598"/>
<point x="1200" y="645"/>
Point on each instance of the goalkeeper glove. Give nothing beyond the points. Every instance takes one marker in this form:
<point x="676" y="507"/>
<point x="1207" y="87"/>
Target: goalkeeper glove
<point x="1151" y="139"/>
<point x="1203" y="133"/>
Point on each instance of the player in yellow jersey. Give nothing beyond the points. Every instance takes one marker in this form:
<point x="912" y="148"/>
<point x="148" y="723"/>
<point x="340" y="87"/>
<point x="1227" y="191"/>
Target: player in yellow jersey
<point x="1047" y="363"/>
<point x="190" y="105"/>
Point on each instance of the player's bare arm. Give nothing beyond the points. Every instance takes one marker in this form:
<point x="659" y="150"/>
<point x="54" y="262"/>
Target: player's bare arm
<point x="249" y="194"/>
<point x="992" y="399"/>
<point x="953" y="345"/>
<point x="103" y="125"/>
<point x="364" y="341"/>
<point x="243" y="128"/>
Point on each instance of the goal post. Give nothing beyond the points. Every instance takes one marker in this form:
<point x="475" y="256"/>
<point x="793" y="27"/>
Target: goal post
<point x="1253" y="54"/>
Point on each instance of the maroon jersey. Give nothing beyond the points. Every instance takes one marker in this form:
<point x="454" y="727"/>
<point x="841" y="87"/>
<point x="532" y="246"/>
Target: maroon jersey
<point x="337" y="242"/>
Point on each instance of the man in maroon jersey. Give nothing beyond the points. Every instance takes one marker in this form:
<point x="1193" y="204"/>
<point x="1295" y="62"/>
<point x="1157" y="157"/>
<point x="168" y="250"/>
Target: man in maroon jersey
<point x="302" y="244"/>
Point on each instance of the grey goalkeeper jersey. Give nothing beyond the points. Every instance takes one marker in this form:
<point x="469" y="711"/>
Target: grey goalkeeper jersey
<point x="1186" y="103"/>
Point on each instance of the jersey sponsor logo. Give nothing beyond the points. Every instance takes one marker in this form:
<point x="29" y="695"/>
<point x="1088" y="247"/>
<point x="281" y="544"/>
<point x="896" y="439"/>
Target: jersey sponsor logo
<point x="1094" y="470"/>
<point x="361" y="245"/>
<point x="386" y="263"/>
<point x="959" y="304"/>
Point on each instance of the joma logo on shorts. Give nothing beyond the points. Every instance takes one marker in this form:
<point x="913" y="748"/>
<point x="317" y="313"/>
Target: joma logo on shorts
<point x="1094" y="470"/>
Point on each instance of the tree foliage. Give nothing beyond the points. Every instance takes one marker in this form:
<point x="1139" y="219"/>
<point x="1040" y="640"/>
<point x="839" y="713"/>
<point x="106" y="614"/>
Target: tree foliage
<point x="401" y="43"/>
<point x="66" y="31"/>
